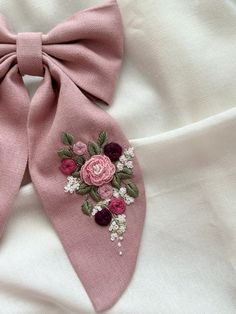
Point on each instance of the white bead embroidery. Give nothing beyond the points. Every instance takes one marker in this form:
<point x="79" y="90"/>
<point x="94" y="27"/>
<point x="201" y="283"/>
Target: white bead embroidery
<point x="120" y="166"/>
<point x="72" y="185"/>
<point x="125" y="159"/>
<point x="129" y="152"/>
<point x="122" y="191"/>
<point x="129" y="164"/>
<point x="115" y="193"/>
<point x="117" y="229"/>
<point x="128" y="199"/>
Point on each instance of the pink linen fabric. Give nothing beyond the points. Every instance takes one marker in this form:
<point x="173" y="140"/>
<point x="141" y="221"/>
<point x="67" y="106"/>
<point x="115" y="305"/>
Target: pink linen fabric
<point x="79" y="60"/>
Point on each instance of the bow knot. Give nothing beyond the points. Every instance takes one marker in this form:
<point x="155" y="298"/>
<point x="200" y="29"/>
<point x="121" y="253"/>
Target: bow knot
<point x="29" y="53"/>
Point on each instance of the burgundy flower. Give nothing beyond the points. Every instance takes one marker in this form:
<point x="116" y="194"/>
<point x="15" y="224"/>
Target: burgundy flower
<point x="117" y="205"/>
<point x="103" y="217"/>
<point x="68" y="166"/>
<point x="113" y="151"/>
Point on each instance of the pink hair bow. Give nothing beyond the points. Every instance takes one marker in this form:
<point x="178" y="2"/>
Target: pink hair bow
<point x="80" y="161"/>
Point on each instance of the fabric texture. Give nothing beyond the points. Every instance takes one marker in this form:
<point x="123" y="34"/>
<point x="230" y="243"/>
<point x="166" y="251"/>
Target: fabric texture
<point x="80" y="61"/>
<point x="176" y="102"/>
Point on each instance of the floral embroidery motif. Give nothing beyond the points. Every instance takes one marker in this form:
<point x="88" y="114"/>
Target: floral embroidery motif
<point x="101" y="171"/>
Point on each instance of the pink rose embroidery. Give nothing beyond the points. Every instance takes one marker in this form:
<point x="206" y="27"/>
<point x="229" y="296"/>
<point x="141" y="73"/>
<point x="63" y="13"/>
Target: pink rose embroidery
<point x="105" y="191"/>
<point x="79" y="148"/>
<point x="68" y="166"/>
<point x="117" y="205"/>
<point x="98" y="170"/>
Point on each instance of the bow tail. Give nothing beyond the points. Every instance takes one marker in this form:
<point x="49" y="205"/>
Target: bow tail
<point x="14" y="103"/>
<point x="60" y="106"/>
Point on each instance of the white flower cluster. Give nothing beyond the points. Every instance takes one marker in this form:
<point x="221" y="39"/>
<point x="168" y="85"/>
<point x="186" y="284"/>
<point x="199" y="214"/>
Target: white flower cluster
<point x="99" y="206"/>
<point x="118" y="227"/>
<point x="122" y="193"/>
<point x="125" y="159"/>
<point x="129" y="152"/>
<point x="72" y="185"/>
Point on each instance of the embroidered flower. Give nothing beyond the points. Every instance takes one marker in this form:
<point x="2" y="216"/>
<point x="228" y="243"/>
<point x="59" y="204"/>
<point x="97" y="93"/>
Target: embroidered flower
<point x="96" y="209"/>
<point x="129" y="164"/>
<point x="100" y="173"/>
<point x="122" y="191"/>
<point x="118" y="228"/>
<point x="105" y="191"/>
<point x="119" y="166"/>
<point x="97" y="171"/>
<point x="115" y="192"/>
<point x="103" y="217"/>
<point x="114" y="236"/>
<point x="113" y="151"/>
<point x="79" y="148"/>
<point x="117" y="205"/>
<point x="72" y="185"/>
<point x="121" y="219"/>
<point x="129" y="152"/>
<point x="68" y="166"/>
<point x="128" y="199"/>
<point x="123" y="159"/>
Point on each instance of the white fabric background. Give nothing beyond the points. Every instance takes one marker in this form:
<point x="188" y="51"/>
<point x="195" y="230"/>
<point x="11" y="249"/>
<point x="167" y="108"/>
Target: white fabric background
<point x="176" y="103"/>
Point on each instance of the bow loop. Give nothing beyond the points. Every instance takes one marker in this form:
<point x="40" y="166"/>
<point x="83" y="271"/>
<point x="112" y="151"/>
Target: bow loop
<point x="6" y="35"/>
<point x="88" y="47"/>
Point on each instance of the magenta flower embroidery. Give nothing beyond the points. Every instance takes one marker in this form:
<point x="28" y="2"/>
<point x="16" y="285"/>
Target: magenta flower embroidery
<point x="68" y="166"/>
<point x="98" y="170"/>
<point x="117" y="205"/>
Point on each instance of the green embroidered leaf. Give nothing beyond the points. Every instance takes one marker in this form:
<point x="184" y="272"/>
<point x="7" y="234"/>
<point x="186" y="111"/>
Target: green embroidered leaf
<point x="116" y="182"/>
<point x="67" y="138"/>
<point x="87" y="208"/>
<point x="122" y="175"/>
<point x="80" y="160"/>
<point x="102" y="138"/>
<point x="127" y="170"/>
<point x="93" y="148"/>
<point x="132" y="189"/>
<point x="64" y="153"/>
<point x="126" y="173"/>
<point x="76" y="174"/>
<point x="83" y="189"/>
<point x="94" y="194"/>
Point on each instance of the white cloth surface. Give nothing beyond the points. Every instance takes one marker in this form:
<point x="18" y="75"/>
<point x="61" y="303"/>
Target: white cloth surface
<point x="176" y="103"/>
